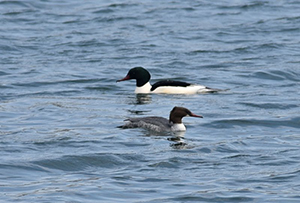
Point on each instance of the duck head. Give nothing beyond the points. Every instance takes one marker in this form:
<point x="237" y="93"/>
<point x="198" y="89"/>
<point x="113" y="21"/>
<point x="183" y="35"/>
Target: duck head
<point x="140" y="74"/>
<point x="178" y="113"/>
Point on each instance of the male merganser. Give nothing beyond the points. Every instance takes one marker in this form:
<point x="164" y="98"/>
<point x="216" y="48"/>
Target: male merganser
<point x="143" y="86"/>
<point x="160" y="124"/>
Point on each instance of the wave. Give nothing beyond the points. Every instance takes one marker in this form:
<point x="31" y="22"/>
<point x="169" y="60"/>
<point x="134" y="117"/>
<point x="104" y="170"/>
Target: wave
<point x="231" y="123"/>
<point x="278" y="75"/>
<point x="83" y="162"/>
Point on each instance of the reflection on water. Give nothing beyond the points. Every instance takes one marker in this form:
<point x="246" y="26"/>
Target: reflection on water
<point x="179" y="145"/>
<point x="138" y="99"/>
<point x="143" y="99"/>
<point x="178" y="139"/>
<point x="137" y="112"/>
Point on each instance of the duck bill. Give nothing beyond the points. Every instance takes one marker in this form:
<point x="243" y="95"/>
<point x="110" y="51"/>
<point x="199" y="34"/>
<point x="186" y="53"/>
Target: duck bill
<point x="194" y="115"/>
<point x="127" y="77"/>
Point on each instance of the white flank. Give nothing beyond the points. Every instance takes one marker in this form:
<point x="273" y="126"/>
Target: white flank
<point x="192" y="89"/>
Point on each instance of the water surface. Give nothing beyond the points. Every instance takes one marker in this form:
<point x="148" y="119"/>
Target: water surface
<point x="60" y="105"/>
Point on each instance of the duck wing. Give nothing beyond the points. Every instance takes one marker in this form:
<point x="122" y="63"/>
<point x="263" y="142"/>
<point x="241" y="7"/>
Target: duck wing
<point x="169" y="83"/>
<point x="154" y="123"/>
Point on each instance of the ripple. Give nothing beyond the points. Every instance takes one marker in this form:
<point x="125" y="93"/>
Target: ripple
<point x="252" y="5"/>
<point x="231" y="123"/>
<point x="23" y="168"/>
<point x="277" y="75"/>
<point x="2" y="73"/>
<point x="14" y="3"/>
<point x="218" y="198"/>
<point x="58" y="82"/>
<point x="266" y="105"/>
<point x="83" y="162"/>
<point x="9" y="48"/>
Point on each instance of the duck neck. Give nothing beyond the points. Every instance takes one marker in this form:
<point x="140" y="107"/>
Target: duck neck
<point x="144" y="89"/>
<point x="143" y="79"/>
<point x="178" y="127"/>
<point x="175" y="117"/>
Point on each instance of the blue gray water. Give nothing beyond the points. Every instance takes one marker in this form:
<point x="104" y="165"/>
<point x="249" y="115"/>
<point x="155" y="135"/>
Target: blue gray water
<point x="60" y="105"/>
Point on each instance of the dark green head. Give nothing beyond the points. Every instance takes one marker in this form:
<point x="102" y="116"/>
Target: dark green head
<point x="140" y="74"/>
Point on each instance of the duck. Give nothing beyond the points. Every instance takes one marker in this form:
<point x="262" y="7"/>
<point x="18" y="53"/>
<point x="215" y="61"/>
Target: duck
<point x="143" y="86"/>
<point x="160" y="124"/>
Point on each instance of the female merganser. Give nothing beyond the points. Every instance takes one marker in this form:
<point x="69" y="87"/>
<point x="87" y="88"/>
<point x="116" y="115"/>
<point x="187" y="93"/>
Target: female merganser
<point x="161" y="124"/>
<point x="143" y="86"/>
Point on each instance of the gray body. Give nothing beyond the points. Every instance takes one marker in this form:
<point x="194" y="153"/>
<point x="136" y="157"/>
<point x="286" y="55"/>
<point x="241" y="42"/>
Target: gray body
<point x="154" y="123"/>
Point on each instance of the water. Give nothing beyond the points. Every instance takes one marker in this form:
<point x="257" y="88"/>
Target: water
<point x="60" y="104"/>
